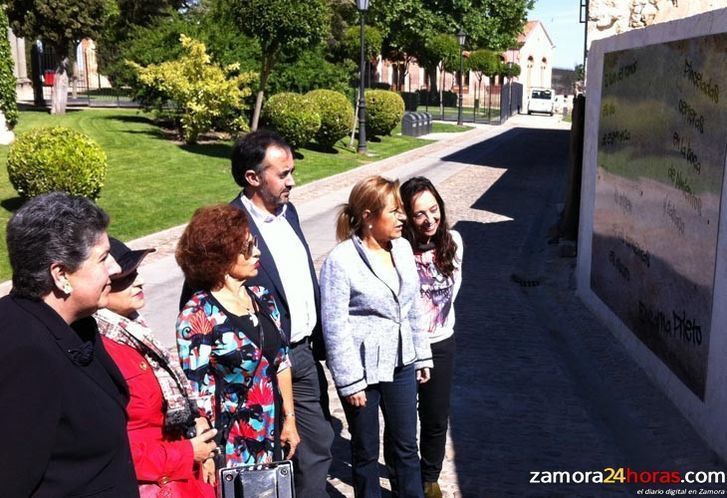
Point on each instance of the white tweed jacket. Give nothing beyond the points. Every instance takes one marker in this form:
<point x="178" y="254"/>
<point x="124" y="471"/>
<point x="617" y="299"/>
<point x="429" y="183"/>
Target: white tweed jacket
<point x="369" y="328"/>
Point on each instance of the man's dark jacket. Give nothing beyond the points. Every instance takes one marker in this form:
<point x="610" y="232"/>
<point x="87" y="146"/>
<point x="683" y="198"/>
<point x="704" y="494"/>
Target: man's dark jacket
<point x="62" y="408"/>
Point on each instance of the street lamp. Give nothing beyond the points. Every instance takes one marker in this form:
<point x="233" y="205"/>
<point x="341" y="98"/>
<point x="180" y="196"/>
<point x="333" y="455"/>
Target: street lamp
<point x="362" y="6"/>
<point x="461" y="38"/>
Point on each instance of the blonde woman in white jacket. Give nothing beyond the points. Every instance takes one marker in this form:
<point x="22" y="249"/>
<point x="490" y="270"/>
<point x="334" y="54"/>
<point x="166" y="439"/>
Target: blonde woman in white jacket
<point x="374" y="327"/>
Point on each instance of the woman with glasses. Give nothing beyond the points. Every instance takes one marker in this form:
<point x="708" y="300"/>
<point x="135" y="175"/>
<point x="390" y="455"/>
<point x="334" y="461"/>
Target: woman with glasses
<point x="170" y="443"/>
<point x="230" y="345"/>
<point x="438" y="255"/>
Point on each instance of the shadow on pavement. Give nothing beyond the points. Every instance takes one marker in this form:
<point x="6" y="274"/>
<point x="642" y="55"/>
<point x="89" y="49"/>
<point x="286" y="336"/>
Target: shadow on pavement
<point x="539" y="384"/>
<point x="511" y="401"/>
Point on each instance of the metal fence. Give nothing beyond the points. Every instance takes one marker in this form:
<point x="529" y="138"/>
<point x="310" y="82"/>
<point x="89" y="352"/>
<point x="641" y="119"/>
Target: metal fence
<point x="86" y="86"/>
<point x="486" y="108"/>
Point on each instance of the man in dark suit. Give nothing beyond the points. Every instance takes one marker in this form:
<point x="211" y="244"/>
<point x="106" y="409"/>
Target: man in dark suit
<point x="262" y="164"/>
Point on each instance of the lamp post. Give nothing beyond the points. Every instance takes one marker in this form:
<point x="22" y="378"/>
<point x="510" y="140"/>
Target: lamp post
<point x="461" y="38"/>
<point x="362" y="6"/>
<point x="509" y="78"/>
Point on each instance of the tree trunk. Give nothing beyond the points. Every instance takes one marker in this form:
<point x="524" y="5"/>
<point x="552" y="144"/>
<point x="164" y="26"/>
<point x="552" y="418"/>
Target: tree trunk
<point x="441" y="94"/>
<point x="432" y="72"/>
<point x="264" y="74"/>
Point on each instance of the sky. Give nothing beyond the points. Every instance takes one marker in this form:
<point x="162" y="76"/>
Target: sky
<point x="560" y="18"/>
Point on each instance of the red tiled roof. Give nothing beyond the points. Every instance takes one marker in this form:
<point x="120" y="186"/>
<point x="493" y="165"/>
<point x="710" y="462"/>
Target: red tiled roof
<point x="526" y="31"/>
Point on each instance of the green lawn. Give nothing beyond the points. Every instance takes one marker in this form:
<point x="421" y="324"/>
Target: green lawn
<point x="467" y="112"/>
<point x="154" y="183"/>
<point x="439" y="127"/>
<point x="449" y="128"/>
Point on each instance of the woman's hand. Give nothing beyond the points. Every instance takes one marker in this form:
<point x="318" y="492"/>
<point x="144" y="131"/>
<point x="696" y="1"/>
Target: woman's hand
<point x="201" y="424"/>
<point x="357" y="399"/>
<point x="423" y="375"/>
<point x="289" y="436"/>
<point x="209" y="475"/>
<point x="204" y="445"/>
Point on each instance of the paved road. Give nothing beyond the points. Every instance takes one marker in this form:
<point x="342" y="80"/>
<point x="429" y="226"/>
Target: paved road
<point x="539" y="384"/>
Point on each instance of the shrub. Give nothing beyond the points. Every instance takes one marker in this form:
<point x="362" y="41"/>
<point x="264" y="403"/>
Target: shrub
<point x="384" y="110"/>
<point x="293" y="116"/>
<point x="411" y="100"/>
<point x="336" y="114"/>
<point x="204" y="93"/>
<point x="56" y="159"/>
<point x="7" y="78"/>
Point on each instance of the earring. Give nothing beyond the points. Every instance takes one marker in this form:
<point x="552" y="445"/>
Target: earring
<point x="67" y="289"/>
<point x="370" y="227"/>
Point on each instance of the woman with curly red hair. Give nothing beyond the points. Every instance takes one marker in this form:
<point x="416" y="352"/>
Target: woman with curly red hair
<point x="230" y="345"/>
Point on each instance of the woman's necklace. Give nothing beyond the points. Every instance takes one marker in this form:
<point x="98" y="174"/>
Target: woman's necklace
<point x="239" y="303"/>
<point x="249" y="306"/>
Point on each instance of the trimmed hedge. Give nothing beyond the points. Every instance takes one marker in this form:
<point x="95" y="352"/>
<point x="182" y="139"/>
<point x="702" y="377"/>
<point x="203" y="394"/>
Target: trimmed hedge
<point x="411" y="100"/>
<point x="384" y="110"/>
<point x="56" y="159"/>
<point x="293" y="116"/>
<point x="7" y="78"/>
<point x="336" y="114"/>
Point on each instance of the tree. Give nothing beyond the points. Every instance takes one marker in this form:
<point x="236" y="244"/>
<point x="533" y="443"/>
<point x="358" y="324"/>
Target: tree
<point x="409" y="24"/>
<point x="351" y="46"/>
<point x="280" y="26"/>
<point x="203" y="92"/>
<point x="493" y="24"/>
<point x="351" y="43"/>
<point x="8" y="105"/>
<point x="122" y="28"/>
<point x="60" y="24"/>
<point x="484" y="63"/>
<point x="509" y="71"/>
<point x="144" y="45"/>
<point x="311" y="71"/>
<point x="441" y="52"/>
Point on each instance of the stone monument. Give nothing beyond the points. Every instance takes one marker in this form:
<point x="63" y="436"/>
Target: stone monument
<point x="6" y="135"/>
<point x="652" y="246"/>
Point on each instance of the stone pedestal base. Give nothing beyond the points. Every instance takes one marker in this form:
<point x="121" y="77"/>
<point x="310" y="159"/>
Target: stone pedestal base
<point x="6" y="136"/>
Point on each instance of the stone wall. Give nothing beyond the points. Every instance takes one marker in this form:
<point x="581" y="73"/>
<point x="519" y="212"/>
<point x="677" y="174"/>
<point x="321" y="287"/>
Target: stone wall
<point x="611" y="17"/>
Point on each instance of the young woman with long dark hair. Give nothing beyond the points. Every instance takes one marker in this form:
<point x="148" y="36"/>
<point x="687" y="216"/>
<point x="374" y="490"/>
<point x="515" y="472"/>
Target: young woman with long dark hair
<point x="438" y="255"/>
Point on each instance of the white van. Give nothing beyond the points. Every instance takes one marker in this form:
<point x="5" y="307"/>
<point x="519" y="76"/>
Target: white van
<point x="541" y="100"/>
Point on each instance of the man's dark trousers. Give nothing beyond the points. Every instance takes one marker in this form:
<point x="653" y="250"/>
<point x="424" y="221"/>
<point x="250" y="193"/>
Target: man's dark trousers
<point x="313" y="455"/>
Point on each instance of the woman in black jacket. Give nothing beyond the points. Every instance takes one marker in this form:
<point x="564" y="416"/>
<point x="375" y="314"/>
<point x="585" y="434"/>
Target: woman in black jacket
<point x="62" y="397"/>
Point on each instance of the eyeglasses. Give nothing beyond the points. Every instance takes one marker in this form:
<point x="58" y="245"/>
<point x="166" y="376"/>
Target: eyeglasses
<point x="249" y="247"/>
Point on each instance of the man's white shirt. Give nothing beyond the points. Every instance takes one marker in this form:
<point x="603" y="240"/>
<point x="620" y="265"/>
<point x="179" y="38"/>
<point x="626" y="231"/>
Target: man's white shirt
<point x="291" y="260"/>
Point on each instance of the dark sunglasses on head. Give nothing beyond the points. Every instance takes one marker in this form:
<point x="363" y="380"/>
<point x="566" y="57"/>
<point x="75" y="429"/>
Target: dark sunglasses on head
<point x="249" y="247"/>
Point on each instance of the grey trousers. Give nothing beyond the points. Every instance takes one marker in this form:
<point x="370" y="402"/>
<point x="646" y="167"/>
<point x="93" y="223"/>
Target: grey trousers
<point x="312" y="416"/>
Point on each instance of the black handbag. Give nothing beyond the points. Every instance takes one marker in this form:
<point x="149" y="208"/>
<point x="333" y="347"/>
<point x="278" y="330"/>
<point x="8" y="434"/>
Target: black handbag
<point x="274" y="480"/>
